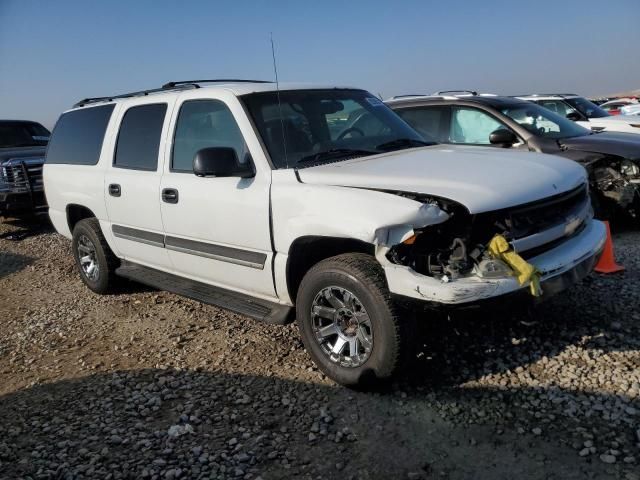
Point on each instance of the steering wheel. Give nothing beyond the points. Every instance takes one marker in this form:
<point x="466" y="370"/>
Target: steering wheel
<point x="350" y="130"/>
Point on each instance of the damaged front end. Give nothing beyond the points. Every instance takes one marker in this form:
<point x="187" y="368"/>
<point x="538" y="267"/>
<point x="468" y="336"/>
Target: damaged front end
<point x="617" y="183"/>
<point x="454" y="262"/>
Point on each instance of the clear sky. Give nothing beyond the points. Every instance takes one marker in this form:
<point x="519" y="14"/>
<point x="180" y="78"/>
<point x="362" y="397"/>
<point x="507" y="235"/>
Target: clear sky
<point x="53" y="53"/>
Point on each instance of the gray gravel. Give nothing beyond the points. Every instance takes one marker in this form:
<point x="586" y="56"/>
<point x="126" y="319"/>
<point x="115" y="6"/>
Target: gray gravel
<point x="144" y="384"/>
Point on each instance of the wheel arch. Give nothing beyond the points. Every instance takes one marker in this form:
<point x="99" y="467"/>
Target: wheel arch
<point x="305" y="252"/>
<point x="75" y="213"/>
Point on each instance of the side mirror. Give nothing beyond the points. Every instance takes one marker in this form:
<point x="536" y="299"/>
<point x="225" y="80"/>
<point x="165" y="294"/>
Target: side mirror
<point x="220" y="162"/>
<point x="574" y="116"/>
<point x="503" y="137"/>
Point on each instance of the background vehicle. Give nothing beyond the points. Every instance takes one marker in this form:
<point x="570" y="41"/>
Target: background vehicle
<point x="614" y="107"/>
<point x="272" y="203"/>
<point x="632" y="109"/>
<point x="611" y="158"/>
<point x="22" y="149"/>
<point x="584" y="112"/>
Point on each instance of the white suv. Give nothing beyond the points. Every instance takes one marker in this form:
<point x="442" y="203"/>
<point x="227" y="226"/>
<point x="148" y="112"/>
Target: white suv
<point x="307" y="201"/>
<point x="584" y="112"/>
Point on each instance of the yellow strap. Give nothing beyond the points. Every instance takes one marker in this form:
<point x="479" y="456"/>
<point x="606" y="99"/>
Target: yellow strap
<point x="524" y="271"/>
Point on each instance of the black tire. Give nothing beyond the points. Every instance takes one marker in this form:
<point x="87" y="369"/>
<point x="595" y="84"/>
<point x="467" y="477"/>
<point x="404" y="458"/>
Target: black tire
<point x="106" y="261"/>
<point x="363" y="276"/>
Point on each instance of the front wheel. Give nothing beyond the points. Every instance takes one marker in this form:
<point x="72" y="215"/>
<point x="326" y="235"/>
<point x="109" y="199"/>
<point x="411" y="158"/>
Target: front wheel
<point x="348" y="321"/>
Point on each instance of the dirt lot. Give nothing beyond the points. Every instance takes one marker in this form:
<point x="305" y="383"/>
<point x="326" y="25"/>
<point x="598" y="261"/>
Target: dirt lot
<point x="145" y="384"/>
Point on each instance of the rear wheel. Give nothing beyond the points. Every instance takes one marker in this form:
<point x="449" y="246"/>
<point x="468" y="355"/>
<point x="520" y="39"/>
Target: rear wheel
<point x="95" y="261"/>
<point x="348" y="321"/>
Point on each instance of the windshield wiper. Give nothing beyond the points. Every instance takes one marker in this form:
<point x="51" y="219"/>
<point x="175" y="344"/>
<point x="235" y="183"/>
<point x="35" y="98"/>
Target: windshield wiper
<point x="400" y="143"/>
<point x="334" y="154"/>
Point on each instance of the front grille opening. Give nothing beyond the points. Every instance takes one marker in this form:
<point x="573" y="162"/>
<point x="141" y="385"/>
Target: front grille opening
<point x="537" y="217"/>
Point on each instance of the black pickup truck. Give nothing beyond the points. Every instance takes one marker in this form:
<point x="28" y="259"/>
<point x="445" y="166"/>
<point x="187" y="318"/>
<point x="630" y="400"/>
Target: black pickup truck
<point x="22" y="148"/>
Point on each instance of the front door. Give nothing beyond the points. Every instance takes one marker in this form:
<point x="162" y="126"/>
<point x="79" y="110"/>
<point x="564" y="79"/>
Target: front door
<point x="217" y="230"/>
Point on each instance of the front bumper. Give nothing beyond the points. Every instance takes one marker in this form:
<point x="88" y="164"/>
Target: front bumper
<point x="20" y="201"/>
<point x="561" y="267"/>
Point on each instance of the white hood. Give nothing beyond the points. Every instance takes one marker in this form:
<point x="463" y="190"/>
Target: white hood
<point x="615" y="123"/>
<point x="480" y="178"/>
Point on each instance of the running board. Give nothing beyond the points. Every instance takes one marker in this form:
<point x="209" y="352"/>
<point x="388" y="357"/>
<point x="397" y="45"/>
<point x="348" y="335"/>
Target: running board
<point x="263" y="310"/>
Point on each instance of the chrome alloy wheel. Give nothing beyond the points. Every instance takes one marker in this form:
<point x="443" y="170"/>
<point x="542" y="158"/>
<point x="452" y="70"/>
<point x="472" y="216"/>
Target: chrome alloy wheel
<point x="88" y="258"/>
<point x="342" y="326"/>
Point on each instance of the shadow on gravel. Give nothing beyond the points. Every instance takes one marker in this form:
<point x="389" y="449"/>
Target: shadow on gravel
<point x="601" y="314"/>
<point x="26" y="227"/>
<point x="124" y="286"/>
<point x="12" y="263"/>
<point x="195" y="424"/>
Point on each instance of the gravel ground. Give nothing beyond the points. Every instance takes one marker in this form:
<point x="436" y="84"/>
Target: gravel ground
<point x="145" y="384"/>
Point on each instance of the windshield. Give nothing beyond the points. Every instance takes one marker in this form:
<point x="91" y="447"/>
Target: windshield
<point x="22" y="134"/>
<point x="543" y="122"/>
<point x="587" y="108"/>
<point x="310" y="127"/>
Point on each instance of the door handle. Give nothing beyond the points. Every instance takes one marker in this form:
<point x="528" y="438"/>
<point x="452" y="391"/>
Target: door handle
<point x="114" y="190"/>
<point x="170" y="195"/>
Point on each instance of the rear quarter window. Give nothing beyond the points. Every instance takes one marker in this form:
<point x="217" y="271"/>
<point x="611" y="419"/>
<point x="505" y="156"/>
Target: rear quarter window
<point x="78" y="135"/>
<point x="428" y="121"/>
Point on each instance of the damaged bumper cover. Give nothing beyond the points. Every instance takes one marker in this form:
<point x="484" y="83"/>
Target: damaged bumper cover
<point x="560" y="267"/>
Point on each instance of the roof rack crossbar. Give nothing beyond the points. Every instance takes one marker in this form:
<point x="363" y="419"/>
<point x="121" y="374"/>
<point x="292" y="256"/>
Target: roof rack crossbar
<point x="216" y="80"/>
<point x="472" y="92"/>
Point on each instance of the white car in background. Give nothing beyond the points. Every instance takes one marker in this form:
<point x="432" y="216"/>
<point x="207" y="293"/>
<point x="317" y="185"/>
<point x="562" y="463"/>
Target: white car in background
<point x="632" y="109"/>
<point x="614" y="107"/>
<point x="584" y="112"/>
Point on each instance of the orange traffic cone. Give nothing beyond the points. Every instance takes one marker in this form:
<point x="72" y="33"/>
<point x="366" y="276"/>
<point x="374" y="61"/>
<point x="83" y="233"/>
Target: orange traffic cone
<point x="607" y="262"/>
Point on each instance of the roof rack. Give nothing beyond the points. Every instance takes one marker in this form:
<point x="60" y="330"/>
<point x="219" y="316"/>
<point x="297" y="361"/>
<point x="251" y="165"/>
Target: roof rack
<point x="547" y="95"/>
<point x="409" y="95"/>
<point x="217" y="80"/>
<point x="87" y="101"/>
<point x="182" y="84"/>
<point x="423" y="97"/>
<point x="441" y="92"/>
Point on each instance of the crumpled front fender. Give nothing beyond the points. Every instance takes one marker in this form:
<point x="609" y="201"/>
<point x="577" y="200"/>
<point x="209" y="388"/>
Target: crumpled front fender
<point x="371" y="216"/>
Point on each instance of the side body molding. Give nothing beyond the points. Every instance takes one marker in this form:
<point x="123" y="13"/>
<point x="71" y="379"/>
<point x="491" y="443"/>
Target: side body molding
<point x="223" y="253"/>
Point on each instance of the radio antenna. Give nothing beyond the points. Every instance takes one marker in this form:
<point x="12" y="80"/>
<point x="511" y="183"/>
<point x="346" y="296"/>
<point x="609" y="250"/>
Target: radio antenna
<point x="275" y="71"/>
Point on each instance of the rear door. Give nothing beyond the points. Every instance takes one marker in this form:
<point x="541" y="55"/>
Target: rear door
<point x="132" y="182"/>
<point x="217" y="229"/>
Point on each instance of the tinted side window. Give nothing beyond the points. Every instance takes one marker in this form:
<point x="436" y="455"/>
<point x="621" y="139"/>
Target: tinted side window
<point x="139" y="137"/>
<point x="472" y="126"/>
<point x="202" y="124"/>
<point x="77" y="137"/>
<point x="428" y="121"/>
